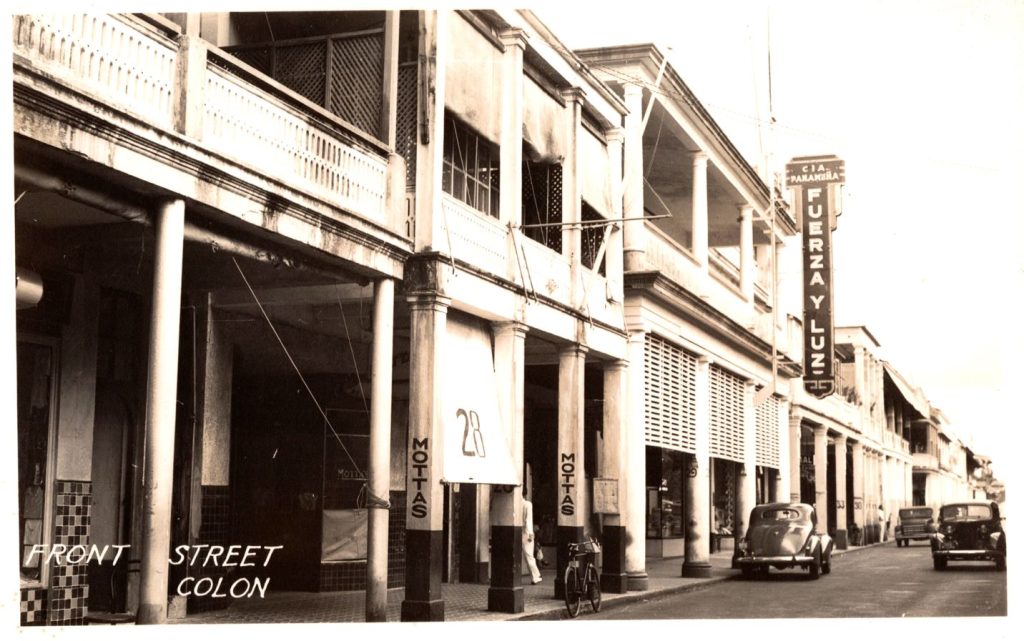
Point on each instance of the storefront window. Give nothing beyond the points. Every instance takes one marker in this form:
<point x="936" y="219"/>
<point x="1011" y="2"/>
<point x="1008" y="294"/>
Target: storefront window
<point x="664" y="493"/>
<point x="35" y="413"/>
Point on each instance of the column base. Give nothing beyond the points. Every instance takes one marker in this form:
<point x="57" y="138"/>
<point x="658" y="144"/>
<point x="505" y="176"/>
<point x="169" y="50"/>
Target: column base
<point x="841" y="540"/>
<point x="483" y="572"/>
<point x="613" y="557"/>
<point x="510" y="600"/>
<point x="696" y="570"/>
<point x="423" y="610"/>
<point x="637" y="581"/>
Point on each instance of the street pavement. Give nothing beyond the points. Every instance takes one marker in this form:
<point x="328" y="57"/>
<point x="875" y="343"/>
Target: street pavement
<point x="881" y="581"/>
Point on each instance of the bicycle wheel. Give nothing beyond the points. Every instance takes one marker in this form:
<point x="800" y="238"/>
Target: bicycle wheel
<point x="572" y="591"/>
<point x="593" y="588"/>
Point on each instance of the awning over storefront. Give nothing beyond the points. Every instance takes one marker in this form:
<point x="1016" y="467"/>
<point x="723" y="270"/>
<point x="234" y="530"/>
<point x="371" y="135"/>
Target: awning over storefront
<point x="912" y="396"/>
<point x="477" y="445"/>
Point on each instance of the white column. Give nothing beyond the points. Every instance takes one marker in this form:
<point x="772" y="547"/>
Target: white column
<point x="511" y="143"/>
<point x="748" y="266"/>
<point x="634" y="453"/>
<point x="634" y="235"/>
<point x="821" y="476"/>
<point x="161" y="406"/>
<point x="795" y="420"/>
<point x="858" y="485"/>
<point x="572" y="192"/>
<point x="841" y="506"/>
<point x="378" y="504"/>
<point x="389" y="95"/>
<point x="612" y="465"/>
<point x="699" y="214"/>
<point x="782" y="477"/>
<point x="569" y="464"/>
<point x="614" y="254"/>
<point x="746" y="495"/>
<point x="698" y="481"/>
<point x="433" y="27"/>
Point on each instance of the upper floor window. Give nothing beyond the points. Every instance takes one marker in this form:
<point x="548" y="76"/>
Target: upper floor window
<point x="470" y="171"/>
<point x="592" y="239"/>
<point x="542" y="203"/>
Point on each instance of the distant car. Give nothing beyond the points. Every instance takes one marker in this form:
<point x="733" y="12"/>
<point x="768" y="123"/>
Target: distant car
<point x="969" y="531"/>
<point x="781" y="535"/>
<point x="915" y="524"/>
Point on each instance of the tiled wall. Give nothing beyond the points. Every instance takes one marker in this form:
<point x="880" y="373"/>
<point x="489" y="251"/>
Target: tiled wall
<point x="68" y="596"/>
<point x="213" y="530"/>
<point x="33" y="606"/>
<point x="351" y="575"/>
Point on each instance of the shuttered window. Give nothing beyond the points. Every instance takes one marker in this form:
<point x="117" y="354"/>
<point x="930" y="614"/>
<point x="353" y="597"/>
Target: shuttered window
<point x="670" y="376"/>
<point x="767" y="417"/>
<point x="726" y="415"/>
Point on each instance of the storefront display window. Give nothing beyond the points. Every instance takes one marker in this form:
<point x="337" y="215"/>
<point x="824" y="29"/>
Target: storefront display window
<point x="665" y="480"/>
<point x="36" y="366"/>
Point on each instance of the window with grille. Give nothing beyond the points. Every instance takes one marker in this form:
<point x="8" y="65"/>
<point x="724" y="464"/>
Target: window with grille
<point x="542" y="203"/>
<point x="591" y="238"/>
<point x="726" y="415"/>
<point x="470" y="171"/>
<point x="767" y="419"/>
<point x="670" y="378"/>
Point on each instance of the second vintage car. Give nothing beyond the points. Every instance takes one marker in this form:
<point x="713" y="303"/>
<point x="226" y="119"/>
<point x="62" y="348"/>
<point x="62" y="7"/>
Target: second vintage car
<point x="782" y="535"/>
<point x="915" y="524"/>
<point x="969" y="531"/>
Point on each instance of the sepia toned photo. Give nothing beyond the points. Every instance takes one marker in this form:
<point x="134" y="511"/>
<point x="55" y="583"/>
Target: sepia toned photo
<point x="341" y="313"/>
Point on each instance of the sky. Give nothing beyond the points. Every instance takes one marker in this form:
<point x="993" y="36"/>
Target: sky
<point x="924" y="101"/>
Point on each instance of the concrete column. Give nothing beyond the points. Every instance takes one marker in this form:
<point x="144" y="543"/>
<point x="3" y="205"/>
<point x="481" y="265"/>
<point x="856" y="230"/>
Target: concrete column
<point x="821" y="477"/>
<point x="612" y="465"/>
<point x="389" y="94"/>
<point x="841" y="507"/>
<point x="746" y="495"/>
<point x="860" y="382"/>
<point x="858" y="485"/>
<point x="748" y="266"/>
<point x="795" y="420"/>
<point x="378" y="486"/>
<point x="505" y="593"/>
<point x="424" y="542"/>
<point x="634" y="501"/>
<point x="698" y="481"/>
<point x="613" y="256"/>
<point x="189" y="86"/>
<point x="898" y="424"/>
<point x="634" y="234"/>
<point x="884" y="464"/>
<point x="571" y="516"/>
<point x="510" y="206"/>
<point x="572" y="192"/>
<point x="432" y="58"/>
<point x="699" y="245"/>
<point x="161" y="406"/>
<point x="782" y="477"/>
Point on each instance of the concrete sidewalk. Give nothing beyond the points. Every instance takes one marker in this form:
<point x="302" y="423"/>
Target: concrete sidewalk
<point x="463" y="601"/>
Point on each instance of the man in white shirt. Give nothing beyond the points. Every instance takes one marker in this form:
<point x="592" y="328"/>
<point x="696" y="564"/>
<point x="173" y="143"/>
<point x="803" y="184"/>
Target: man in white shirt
<point x="528" y="539"/>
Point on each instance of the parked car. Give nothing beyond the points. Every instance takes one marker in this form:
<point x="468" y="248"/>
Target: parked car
<point x="969" y="531"/>
<point x="914" y="524"/>
<point x="781" y="535"/>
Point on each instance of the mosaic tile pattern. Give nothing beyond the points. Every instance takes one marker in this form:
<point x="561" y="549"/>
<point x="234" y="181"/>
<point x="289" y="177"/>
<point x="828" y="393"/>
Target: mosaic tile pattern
<point x="33" y="606"/>
<point x="68" y="597"/>
<point x="351" y="575"/>
<point x="213" y="530"/>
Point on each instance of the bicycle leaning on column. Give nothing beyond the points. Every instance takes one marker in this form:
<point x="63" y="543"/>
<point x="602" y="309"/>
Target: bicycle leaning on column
<point x="581" y="577"/>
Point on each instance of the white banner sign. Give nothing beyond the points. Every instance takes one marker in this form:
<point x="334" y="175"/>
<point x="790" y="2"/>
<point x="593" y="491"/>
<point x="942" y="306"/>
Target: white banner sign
<point x="477" y="445"/>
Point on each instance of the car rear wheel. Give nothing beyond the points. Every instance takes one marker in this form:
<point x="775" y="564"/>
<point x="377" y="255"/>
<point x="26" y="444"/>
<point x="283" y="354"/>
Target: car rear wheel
<point x="748" y="572"/>
<point x="939" y="563"/>
<point x="815" y="567"/>
<point x="826" y="565"/>
<point x="1001" y="563"/>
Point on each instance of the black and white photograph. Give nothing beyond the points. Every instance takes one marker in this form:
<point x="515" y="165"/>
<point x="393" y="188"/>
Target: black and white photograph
<point x="702" y="317"/>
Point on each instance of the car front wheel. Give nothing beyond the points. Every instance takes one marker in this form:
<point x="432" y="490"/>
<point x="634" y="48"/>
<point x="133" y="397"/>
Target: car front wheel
<point x="939" y="563"/>
<point x="815" y="567"/>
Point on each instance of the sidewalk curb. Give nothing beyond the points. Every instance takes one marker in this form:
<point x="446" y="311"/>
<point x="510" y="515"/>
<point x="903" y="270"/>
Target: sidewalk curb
<point x="615" y="600"/>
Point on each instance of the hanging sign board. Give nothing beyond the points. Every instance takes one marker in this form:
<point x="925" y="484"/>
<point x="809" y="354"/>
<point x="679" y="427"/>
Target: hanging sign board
<point x="813" y="176"/>
<point x="606" y="496"/>
<point x="477" y="445"/>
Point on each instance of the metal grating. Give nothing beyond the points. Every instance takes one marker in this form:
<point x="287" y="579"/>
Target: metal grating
<point x="259" y="58"/>
<point x="726" y="415"/>
<point x="542" y="203"/>
<point x="767" y="419"/>
<point x="670" y="378"/>
<point x="357" y="80"/>
<point x="405" y="127"/>
<point x="301" y="68"/>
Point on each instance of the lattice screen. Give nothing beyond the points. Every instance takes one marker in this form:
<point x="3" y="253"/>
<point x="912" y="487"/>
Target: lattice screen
<point x="767" y="418"/>
<point x="357" y="80"/>
<point x="406" y="120"/>
<point x="726" y="415"/>
<point x="301" y="68"/>
<point x="669" y="402"/>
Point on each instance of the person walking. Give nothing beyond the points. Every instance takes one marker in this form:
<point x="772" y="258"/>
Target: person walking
<point x="529" y="540"/>
<point x="882" y="525"/>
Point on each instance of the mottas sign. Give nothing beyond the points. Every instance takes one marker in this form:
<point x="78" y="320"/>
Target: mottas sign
<point x="813" y="177"/>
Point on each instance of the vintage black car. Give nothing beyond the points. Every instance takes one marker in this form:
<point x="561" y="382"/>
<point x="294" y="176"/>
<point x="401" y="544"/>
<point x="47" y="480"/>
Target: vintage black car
<point x="915" y="524"/>
<point x="969" y="531"/>
<point x="781" y="535"/>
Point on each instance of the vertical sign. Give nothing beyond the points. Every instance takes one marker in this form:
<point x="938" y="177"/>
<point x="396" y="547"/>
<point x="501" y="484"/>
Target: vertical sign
<point x="814" y="176"/>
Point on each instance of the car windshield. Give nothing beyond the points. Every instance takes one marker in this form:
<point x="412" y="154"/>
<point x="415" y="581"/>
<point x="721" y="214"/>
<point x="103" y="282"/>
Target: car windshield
<point x="916" y="513"/>
<point x="966" y="512"/>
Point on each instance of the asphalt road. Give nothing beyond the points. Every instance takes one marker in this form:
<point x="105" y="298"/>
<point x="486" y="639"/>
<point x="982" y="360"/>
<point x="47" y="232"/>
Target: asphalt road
<point x="883" y="581"/>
